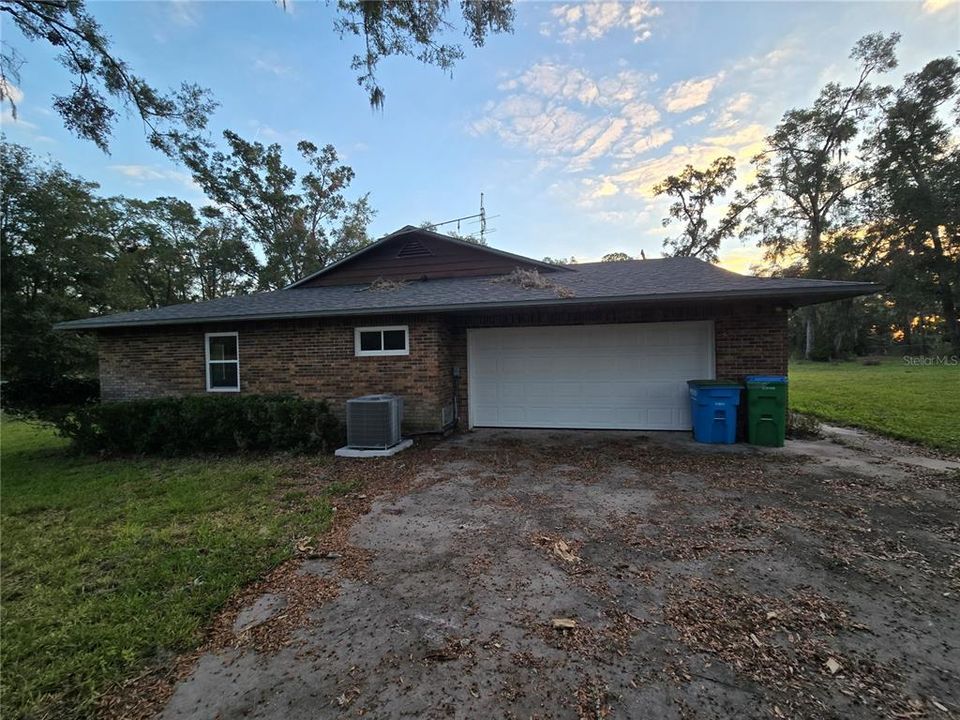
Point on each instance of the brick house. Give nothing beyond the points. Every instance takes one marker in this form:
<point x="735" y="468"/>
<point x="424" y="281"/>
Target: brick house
<point x="449" y="325"/>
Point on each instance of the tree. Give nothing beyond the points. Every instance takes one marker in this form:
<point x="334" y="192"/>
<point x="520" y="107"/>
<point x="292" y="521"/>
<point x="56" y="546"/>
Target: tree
<point x="916" y="163"/>
<point x="101" y="80"/>
<point x="695" y="192"/>
<point x="54" y="266"/>
<point x="807" y="173"/>
<point x="165" y="253"/>
<point x="221" y="258"/>
<point x="615" y="257"/>
<point x="412" y="29"/>
<point x="560" y="261"/>
<point x="300" y="226"/>
<point x="807" y="170"/>
<point x="103" y="83"/>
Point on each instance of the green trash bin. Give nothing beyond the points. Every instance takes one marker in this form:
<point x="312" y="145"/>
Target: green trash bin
<point x="766" y="410"/>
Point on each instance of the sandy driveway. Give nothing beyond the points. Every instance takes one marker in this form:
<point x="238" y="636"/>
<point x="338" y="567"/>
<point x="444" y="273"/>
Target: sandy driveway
<point x="817" y="581"/>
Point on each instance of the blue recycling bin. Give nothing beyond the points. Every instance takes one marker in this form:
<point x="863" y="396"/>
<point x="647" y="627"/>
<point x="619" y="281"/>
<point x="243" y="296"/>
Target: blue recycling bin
<point x="713" y="410"/>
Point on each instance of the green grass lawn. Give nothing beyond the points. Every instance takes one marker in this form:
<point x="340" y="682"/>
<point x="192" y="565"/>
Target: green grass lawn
<point x="917" y="403"/>
<point x="111" y="565"/>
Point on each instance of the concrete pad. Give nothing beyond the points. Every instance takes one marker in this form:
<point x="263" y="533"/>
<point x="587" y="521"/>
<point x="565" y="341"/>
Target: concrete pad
<point x="350" y="452"/>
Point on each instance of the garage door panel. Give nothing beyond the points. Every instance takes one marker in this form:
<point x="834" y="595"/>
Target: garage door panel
<point x="630" y="376"/>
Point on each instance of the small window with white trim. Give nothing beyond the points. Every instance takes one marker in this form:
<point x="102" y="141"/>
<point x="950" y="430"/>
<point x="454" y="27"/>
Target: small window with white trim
<point x="389" y="340"/>
<point x="223" y="362"/>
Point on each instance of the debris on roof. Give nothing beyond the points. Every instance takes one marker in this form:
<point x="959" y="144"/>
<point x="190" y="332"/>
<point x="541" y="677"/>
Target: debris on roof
<point x="385" y="285"/>
<point x="533" y="280"/>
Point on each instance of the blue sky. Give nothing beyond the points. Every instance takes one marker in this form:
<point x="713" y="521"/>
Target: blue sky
<point x="564" y="125"/>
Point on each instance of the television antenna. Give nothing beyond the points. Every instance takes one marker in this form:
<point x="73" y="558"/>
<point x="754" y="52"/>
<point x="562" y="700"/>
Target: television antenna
<point x="480" y="217"/>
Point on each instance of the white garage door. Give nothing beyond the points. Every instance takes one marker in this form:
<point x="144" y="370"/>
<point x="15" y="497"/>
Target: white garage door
<point x="630" y="376"/>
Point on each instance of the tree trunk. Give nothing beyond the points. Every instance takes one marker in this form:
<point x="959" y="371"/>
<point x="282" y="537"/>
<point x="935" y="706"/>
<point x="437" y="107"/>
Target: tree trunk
<point x="950" y="316"/>
<point x="808" y="344"/>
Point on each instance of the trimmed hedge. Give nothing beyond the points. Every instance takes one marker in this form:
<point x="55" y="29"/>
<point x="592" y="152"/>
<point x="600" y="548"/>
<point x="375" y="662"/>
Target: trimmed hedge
<point x="204" y="424"/>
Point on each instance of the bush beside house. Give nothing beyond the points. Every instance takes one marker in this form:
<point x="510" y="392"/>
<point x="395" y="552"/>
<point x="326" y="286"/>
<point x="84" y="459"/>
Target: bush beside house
<point x="200" y="424"/>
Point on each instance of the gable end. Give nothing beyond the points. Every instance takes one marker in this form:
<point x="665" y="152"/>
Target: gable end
<point x="418" y="254"/>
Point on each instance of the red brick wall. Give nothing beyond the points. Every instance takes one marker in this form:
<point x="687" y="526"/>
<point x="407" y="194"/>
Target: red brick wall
<point x="315" y="358"/>
<point x="309" y="358"/>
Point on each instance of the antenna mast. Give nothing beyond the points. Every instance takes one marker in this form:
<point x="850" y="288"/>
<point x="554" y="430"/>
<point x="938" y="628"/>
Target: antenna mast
<point x="481" y="216"/>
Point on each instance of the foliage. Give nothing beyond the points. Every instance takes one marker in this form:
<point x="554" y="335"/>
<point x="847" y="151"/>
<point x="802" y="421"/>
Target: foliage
<point x="808" y="171"/>
<point x="862" y="185"/>
<point x="54" y="265"/>
<point x="895" y="398"/>
<point x="695" y="192"/>
<point x="102" y="82"/>
<point x="110" y="566"/>
<point x="67" y="253"/>
<point x="166" y="253"/>
<point x="203" y="424"/>
<point x="47" y="398"/>
<point x="413" y="29"/>
<point x="300" y="227"/>
<point x="616" y="257"/>
<point x="915" y="204"/>
<point x="560" y="261"/>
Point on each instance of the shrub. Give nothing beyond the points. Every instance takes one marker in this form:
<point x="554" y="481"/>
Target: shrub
<point x="203" y="423"/>
<point x="46" y="398"/>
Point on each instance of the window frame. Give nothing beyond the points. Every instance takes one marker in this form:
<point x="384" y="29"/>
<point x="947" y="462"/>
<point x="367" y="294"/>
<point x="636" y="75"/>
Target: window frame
<point x="209" y="362"/>
<point x="381" y="329"/>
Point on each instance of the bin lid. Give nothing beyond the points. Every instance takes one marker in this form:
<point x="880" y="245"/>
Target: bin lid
<point x="714" y="383"/>
<point x="774" y="379"/>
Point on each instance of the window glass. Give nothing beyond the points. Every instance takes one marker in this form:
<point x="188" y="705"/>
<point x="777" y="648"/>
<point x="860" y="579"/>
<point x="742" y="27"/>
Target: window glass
<point x="370" y="341"/>
<point x="223" y="348"/>
<point x="394" y="339"/>
<point x="223" y="375"/>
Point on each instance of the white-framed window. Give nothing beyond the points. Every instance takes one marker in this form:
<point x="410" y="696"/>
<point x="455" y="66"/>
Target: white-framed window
<point x="223" y="361"/>
<point x="386" y="340"/>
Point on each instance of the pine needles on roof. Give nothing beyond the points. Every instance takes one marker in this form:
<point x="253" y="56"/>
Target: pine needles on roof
<point x="384" y="285"/>
<point x="532" y="279"/>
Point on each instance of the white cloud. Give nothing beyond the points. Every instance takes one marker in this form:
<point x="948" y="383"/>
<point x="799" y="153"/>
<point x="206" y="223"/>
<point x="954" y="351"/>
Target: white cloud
<point x="638" y="178"/>
<point x="695" y="119"/>
<point x="655" y="139"/>
<point x="272" y="66"/>
<point x="185" y="13"/>
<point x="688" y="94"/>
<point x="733" y="109"/>
<point x="935" y="6"/>
<point x="556" y="81"/>
<point x="593" y="20"/>
<point x="562" y="113"/>
<point x="7" y="118"/>
<point x="11" y="91"/>
<point x="152" y="173"/>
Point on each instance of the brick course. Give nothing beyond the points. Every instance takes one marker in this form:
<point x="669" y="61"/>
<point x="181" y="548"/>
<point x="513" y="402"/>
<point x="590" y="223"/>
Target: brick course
<point x="315" y="358"/>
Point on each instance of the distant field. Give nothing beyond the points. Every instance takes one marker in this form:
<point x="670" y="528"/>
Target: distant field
<point x="916" y="403"/>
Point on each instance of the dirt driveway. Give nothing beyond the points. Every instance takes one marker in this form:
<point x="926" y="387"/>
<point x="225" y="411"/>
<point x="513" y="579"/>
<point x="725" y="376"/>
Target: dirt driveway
<point x="816" y="581"/>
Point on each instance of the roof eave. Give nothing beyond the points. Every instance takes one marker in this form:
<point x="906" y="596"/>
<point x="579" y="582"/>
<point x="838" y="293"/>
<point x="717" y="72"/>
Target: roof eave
<point x="793" y="298"/>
